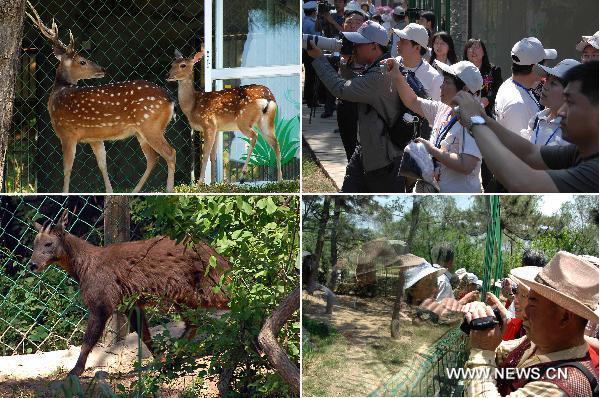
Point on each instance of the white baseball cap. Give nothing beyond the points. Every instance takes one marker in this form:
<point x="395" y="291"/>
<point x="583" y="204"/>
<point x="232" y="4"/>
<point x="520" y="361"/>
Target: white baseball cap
<point x="415" y="274"/>
<point x="588" y="41"/>
<point x="472" y="278"/>
<point x="309" y="5"/>
<point x="414" y="32"/>
<point x="559" y="70"/>
<point x="399" y="11"/>
<point x="369" y="32"/>
<point x="465" y="71"/>
<point x="354" y="7"/>
<point x="530" y="51"/>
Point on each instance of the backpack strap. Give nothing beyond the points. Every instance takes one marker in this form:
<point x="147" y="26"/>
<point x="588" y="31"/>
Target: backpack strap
<point x="592" y="379"/>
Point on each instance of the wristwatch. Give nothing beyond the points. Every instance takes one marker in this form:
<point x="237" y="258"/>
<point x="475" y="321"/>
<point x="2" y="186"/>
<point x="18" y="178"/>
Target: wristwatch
<point x="474" y="121"/>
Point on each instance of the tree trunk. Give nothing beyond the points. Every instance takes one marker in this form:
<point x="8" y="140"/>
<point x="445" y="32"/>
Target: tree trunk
<point x="267" y="340"/>
<point x="414" y="220"/>
<point x="11" y="35"/>
<point x="116" y="229"/>
<point x="334" y="229"/>
<point x="314" y="272"/>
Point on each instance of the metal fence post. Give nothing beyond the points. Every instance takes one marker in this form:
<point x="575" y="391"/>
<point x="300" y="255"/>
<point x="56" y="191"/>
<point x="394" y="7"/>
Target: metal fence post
<point x="116" y="229"/>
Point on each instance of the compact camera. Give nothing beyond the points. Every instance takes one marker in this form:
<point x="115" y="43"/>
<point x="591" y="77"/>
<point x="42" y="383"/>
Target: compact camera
<point x="488" y="322"/>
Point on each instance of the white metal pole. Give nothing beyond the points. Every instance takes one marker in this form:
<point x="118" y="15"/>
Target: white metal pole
<point x="208" y="65"/>
<point x="219" y="50"/>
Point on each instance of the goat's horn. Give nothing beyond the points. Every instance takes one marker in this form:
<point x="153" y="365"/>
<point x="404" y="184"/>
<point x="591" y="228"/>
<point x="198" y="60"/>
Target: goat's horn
<point x="46" y="226"/>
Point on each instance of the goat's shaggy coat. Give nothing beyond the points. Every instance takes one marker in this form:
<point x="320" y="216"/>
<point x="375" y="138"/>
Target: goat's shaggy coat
<point x="107" y="275"/>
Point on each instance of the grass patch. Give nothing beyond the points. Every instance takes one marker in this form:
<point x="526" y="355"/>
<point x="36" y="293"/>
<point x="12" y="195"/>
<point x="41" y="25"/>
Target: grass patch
<point x="314" y="178"/>
<point x="286" y="186"/>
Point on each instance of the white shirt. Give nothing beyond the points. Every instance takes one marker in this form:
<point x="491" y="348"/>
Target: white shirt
<point x="543" y="131"/>
<point x="429" y="77"/>
<point x="457" y="140"/>
<point x="515" y="106"/>
<point x="444" y="286"/>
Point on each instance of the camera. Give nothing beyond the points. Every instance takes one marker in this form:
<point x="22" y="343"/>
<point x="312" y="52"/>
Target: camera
<point x="488" y="322"/>
<point x="343" y="46"/>
<point x="324" y="7"/>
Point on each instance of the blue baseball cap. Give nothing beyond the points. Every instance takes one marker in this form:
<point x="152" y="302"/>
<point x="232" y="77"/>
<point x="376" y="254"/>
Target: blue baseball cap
<point x="369" y="32"/>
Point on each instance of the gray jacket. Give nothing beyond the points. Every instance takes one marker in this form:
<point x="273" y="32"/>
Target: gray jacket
<point x="374" y="89"/>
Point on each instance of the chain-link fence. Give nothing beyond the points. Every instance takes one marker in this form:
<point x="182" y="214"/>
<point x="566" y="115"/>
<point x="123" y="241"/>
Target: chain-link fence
<point x="429" y="376"/>
<point x="132" y="39"/>
<point x="41" y="312"/>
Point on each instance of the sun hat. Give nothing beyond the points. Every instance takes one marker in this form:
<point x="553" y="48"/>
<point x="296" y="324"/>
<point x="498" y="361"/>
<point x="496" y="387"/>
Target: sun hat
<point x="530" y="51"/>
<point x="530" y="271"/>
<point x="420" y="271"/>
<point x="588" y="41"/>
<point x="414" y="32"/>
<point x="465" y="71"/>
<point x="559" y="70"/>
<point x="568" y="281"/>
<point x="369" y="32"/>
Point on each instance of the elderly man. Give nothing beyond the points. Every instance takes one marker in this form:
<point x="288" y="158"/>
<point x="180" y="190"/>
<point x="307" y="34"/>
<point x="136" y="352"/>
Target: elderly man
<point x="563" y="296"/>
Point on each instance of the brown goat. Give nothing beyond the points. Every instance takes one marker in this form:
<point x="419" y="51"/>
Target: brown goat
<point x="107" y="275"/>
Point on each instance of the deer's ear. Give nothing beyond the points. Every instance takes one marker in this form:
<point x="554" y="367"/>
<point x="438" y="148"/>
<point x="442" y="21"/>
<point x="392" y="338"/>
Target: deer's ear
<point x="178" y="54"/>
<point x="38" y="227"/>
<point x="198" y="56"/>
<point x="62" y="222"/>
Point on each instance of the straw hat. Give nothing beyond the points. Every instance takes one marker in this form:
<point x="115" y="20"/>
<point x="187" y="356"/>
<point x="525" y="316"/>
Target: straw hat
<point x="530" y="271"/>
<point x="569" y="281"/>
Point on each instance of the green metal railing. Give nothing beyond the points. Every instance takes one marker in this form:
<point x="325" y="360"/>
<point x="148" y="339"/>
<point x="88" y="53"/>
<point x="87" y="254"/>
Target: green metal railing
<point x="428" y="377"/>
<point x="492" y="268"/>
<point x="41" y="311"/>
<point x="132" y="39"/>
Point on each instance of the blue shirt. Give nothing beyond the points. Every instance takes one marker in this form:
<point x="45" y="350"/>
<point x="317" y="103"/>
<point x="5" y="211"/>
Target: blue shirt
<point x="308" y="26"/>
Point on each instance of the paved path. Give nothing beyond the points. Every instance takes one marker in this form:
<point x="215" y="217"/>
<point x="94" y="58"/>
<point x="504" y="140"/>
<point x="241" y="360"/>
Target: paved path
<point x="326" y="145"/>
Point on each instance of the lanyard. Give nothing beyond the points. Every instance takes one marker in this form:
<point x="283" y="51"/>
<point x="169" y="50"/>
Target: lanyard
<point x="537" y="130"/>
<point x="528" y="92"/>
<point x="444" y="131"/>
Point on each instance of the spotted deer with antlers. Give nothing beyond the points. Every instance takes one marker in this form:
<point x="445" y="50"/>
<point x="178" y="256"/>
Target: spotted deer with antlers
<point x="116" y="111"/>
<point x="237" y="108"/>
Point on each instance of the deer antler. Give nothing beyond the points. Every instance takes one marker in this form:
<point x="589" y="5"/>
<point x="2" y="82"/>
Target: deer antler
<point x="50" y="33"/>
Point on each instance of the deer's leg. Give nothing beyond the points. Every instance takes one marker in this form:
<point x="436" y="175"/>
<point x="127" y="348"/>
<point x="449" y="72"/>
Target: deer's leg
<point x="208" y="136"/>
<point x="100" y="152"/>
<point x="267" y="126"/>
<point x="248" y="132"/>
<point x="142" y="328"/>
<point x="157" y="141"/>
<point x="151" y="157"/>
<point x="68" y="149"/>
<point x="213" y="162"/>
<point x="93" y="332"/>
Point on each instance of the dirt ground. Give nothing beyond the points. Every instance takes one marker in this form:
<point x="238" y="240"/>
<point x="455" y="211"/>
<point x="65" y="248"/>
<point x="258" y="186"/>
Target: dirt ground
<point x="43" y="374"/>
<point x="366" y="356"/>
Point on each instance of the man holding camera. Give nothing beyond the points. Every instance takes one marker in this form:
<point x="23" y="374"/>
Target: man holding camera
<point x="374" y="164"/>
<point x="563" y="297"/>
<point x="522" y="166"/>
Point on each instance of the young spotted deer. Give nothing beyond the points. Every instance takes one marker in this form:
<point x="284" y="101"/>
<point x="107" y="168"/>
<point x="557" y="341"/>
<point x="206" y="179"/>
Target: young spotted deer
<point x="157" y="267"/>
<point x="230" y="109"/>
<point x="93" y="115"/>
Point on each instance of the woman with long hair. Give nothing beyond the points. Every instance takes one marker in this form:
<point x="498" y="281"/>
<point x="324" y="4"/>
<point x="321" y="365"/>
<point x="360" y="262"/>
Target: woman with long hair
<point x="476" y="53"/>
<point x="442" y="49"/>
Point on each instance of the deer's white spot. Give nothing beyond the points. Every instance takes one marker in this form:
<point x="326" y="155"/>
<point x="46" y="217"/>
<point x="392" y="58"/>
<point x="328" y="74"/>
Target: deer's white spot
<point x="146" y="116"/>
<point x="139" y="87"/>
<point x="118" y="103"/>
